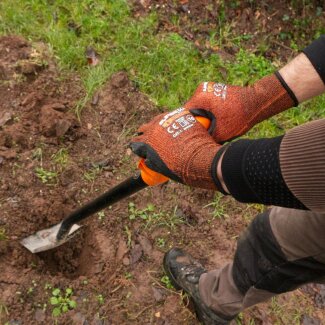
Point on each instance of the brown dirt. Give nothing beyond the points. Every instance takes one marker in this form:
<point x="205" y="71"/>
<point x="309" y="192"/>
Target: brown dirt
<point x="116" y="257"/>
<point x="263" y="27"/>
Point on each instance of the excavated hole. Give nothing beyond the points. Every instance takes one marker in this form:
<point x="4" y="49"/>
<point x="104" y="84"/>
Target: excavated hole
<point x="85" y="254"/>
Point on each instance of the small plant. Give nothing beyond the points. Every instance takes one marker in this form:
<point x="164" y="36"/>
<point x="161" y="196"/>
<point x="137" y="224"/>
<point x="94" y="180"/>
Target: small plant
<point x="30" y="290"/>
<point x="3" y="310"/>
<point x="3" y="235"/>
<point x="101" y="215"/>
<point x="47" y="286"/>
<point x="152" y="217"/>
<point x="100" y="299"/>
<point x="37" y="154"/>
<point x="140" y="213"/>
<point x="218" y="208"/>
<point x="91" y="175"/>
<point x="160" y="242"/>
<point x="62" y="303"/>
<point x="45" y="176"/>
<point x="129" y="236"/>
<point x="128" y="275"/>
<point x="61" y="157"/>
<point x="166" y="281"/>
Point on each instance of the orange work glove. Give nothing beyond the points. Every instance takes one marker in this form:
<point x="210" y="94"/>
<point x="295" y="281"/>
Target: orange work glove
<point x="176" y="145"/>
<point x="233" y="110"/>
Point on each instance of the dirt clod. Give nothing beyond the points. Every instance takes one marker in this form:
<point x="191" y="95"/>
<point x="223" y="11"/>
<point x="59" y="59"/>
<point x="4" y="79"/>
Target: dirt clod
<point x="136" y="254"/>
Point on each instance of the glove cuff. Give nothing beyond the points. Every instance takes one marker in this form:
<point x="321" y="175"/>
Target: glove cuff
<point x="287" y="88"/>
<point x="214" y="167"/>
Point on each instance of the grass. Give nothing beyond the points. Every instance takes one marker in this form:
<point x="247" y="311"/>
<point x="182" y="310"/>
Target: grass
<point x="165" y="66"/>
<point x="152" y="217"/>
<point x="61" y="158"/>
<point x="290" y="312"/>
<point x="46" y="176"/>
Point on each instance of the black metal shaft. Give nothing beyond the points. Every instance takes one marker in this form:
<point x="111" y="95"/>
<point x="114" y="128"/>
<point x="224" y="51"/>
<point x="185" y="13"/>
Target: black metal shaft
<point x="117" y="193"/>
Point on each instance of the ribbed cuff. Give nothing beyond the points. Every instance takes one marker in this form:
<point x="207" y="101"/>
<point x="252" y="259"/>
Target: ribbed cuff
<point x="316" y="54"/>
<point x="287" y="88"/>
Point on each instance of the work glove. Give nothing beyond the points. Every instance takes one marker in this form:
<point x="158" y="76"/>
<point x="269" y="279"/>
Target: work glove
<point x="233" y="110"/>
<point x="176" y="145"/>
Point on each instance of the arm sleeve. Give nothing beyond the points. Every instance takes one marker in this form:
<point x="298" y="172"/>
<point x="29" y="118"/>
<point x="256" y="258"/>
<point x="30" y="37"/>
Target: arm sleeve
<point x="302" y="160"/>
<point x="316" y="55"/>
<point x="252" y="173"/>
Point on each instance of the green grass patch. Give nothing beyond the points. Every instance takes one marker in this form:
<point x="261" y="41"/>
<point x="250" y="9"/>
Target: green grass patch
<point x="164" y="65"/>
<point x="152" y="217"/>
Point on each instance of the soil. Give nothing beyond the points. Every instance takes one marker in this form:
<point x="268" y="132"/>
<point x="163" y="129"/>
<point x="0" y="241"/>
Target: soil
<point x="266" y="28"/>
<point x="114" y="256"/>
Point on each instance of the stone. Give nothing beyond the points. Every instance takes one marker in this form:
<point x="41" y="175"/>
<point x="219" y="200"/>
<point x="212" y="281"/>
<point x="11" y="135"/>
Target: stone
<point x="62" y="127"/>
<point x="145" y="244"/>
<point x="157" y="294"/>
<point x="136" y="254"/>
<point x="122" y="249"/>
<point x="39" y="315"/>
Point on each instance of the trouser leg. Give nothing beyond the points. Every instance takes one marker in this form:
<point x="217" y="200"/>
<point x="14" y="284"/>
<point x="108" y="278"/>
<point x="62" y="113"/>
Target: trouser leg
<point x="281" y="250"/>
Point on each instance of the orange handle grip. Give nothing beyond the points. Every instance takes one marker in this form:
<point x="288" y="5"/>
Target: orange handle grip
<point x="153" y="178"/>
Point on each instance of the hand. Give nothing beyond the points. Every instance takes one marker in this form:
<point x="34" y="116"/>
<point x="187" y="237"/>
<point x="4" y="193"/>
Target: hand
<point x="177" y="146"/>
<point x="233" y="110"/>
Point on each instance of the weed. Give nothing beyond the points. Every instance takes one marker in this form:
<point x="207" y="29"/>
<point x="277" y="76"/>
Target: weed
<point x="160" y="242"/>
<point x="218" y="211"/>
<point x="91" y="175"/>
<point x="290" y="312"/>
<point x="166" y="281"/>
<point x="101" y="215"/>
<point x="129" y="236"/>
<point x="100" y="299"/>
<point x="46" y="176"/>
<point x="37" y="154"/>
<point x="30" y="290"/>
<point x="61" y="157"/>
<point x="153" y="217"/>
<point x="47" y="286"/>
<point x="140" y="213"/>
<point x="3" y="235"/>
<point x="62" y="302"/>
<point x="3" y="310"/>
<point x="128" y="275"/>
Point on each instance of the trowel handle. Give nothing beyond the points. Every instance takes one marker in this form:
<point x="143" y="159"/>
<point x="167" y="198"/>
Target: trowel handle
<point x="153" y="178"/>
<point x="126" y="188"/>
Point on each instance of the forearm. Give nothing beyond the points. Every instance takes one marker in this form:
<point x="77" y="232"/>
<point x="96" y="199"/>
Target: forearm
<point x="305" y="74"/>
<point x="286" y="171"/>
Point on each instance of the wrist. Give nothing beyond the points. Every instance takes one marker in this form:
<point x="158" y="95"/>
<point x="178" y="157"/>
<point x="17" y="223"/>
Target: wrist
<point x="302" y="78"/>
<point x="219" y="173"/>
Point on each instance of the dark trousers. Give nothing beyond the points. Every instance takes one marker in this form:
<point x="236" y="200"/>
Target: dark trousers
<point x="281" y="250"/>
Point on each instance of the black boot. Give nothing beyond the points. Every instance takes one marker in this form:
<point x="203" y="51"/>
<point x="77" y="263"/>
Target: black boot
<point x="184" y="273"/>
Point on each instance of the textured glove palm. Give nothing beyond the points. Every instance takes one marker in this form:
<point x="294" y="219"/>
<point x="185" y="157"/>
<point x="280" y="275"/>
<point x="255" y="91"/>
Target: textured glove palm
<point x="234" y="110"/>
<point x="177" y="146"/>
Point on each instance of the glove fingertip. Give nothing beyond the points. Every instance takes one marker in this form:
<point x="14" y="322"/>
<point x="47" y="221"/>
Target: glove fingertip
<point x="139" y="148"/>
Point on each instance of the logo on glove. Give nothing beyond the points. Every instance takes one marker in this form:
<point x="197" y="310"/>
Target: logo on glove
<point x="177" y="121"/>
<point x="218" y="89"/>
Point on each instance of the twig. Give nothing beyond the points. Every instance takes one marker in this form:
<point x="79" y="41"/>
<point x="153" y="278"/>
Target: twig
<point x="284" y="46"/>
<point x="142" y="311"/>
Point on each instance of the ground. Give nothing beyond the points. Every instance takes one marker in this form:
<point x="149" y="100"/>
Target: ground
<point x="53" y="160"/>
